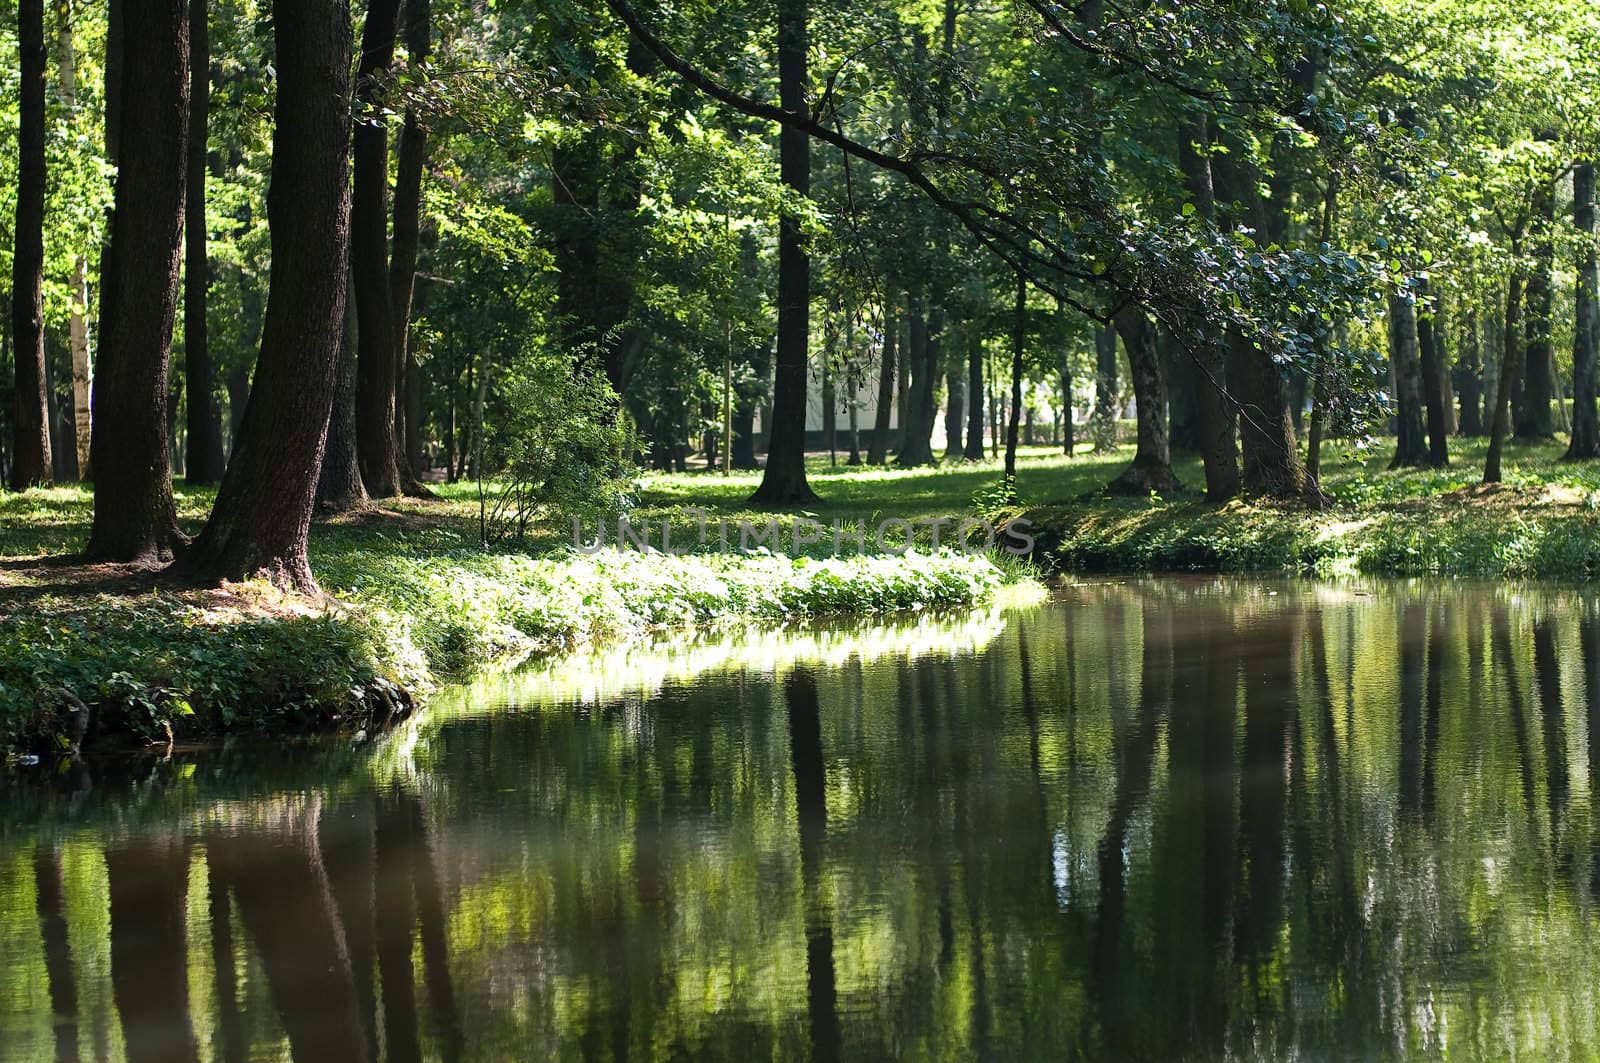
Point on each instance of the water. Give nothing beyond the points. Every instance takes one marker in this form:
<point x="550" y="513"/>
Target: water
<point x="1157" y="820"/>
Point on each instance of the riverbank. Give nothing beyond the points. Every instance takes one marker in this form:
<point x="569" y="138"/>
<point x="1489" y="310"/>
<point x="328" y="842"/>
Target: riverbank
<point x="108" y="655"/>
<point x="412" y="600"/>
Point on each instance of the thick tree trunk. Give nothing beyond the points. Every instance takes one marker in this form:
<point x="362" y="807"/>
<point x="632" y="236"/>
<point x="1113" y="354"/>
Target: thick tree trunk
<point x="783" y="483"/>
<point x="1534" y="419"/>
<point x="1510" y="364"/>
<point x="1019" y="346"/>
<point x="1469" y="383"/>
<point x="1410" y="446"/>
<point x="878" y="449"/>
<point x="1103" y="425"/>
<point x="1152" y="461"/>
<point x="339" y="484"/>
<point x="134" y="515"/>
<point x="1585" y="442"/>
<point x="369" y="259"/>
<point x="412" y="157"/>
<point x="1272" y="466"/>
<point x="1064" y="371"/>
<point x="203" y="462"/>
<point x="263" y="510"/>
<point x="1434" y="401"/>
<point x="30" y="455"/>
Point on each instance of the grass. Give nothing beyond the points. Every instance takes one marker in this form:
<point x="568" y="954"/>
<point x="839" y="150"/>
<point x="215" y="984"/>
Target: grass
<point x="415" y="600"/>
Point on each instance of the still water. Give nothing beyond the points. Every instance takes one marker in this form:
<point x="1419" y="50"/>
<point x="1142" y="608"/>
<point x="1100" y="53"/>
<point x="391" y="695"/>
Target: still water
<point x="1165" y="819"/>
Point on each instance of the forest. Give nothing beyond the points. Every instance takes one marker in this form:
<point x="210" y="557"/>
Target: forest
<point x="1289" y="286"/>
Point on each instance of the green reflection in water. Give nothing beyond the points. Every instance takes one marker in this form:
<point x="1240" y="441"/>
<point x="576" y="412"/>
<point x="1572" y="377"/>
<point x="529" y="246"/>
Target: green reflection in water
<point x="1179" y="818"/>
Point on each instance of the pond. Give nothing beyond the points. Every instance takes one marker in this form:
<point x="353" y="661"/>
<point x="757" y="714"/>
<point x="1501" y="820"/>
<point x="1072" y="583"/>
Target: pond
<point x="1183" y="818"/>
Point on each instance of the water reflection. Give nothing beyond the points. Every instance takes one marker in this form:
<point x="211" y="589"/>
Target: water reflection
<point x="1169" y="819"/>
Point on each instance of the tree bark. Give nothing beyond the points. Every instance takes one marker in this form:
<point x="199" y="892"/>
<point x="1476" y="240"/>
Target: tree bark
<point x="1152" y="460"/>
<point x="783" y="483"/>
<point x="954" y="400"/>
<point x="1104" y="423"/>
<point x="1434" y="399"/>
<point x="77" y="329"/>
<point x="1068" y="443"/>
<point x="1585" y="442"/>
<point x="1469" y="383"/>
<point x="878" y="449"/>
<point x="412" y="157"/>
<point x="1510" y="364"/>
<point x="1410" y="446"/>
<point x="916" y="445"/>
<point x="135" y="519"/>
<point x="1183" y="387"/>
<point x="263" y="509"/>
<point x="1534" y="419"/>
<point x="974" y="448"/>
<point x="203" y="462"/>
<point x="339" y="486"/>
<point x="377" y="446"/>
<point x="1019" y="346"/>
<point x="30" y="456"/>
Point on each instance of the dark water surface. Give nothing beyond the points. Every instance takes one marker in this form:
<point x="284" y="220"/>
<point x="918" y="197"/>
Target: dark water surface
<point x="1164" y="819"/>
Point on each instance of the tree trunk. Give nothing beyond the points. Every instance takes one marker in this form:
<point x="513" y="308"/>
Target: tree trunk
<point x="1068" y="443"/>
<point x="1538" y="380"/>
<point x="953" y="413"/>
<point x="135" y="519"/>
<point x="1433" y="385"/>
<point x="1183" y="388"/>
<point x="1510" y="364"/>
<point x="878" y="449"/>
<point x="77" y="329"/>
<point x="412" y="157"/>
<point x="263" y="509"/>
<point x="1586" y="328"/>
<point x="31" y="456"/>
<point x="203" y="463"/>
<point x="974" y="448"/>
<point x="377" y="446"/>
<point x="1152" y="461"/>
<point x="783" y="483"/>
<point x="339" y="486"/>
<point x="1410" y="446"/>
<point x="916" y="446"/>
<point x="1103" y="423"/>
<point x="1469" y="383"/>
<point x="1019" y="345"/>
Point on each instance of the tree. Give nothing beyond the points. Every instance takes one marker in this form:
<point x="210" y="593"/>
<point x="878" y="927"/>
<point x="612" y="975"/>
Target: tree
<point x="204" y="461"/>
<point x="878" y="449"/>
<point x="77" y="328"/>
<point x="783" y="483"/>
<point x="377" y="446"/>
<point x="1585" y="442"/>
<point x="411" y="159"/>
<point x="1435" y="401"/>
<point x="135" y="519"/>
<point x="30" y="457"/>
<point x="1152" y="460"/>
<point x="263" y="509"/>
<point x="1410" y="448"/>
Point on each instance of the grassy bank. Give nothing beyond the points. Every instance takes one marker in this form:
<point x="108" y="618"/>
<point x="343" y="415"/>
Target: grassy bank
<point x="1543" y="522"/>
<point x="413" y="602"/>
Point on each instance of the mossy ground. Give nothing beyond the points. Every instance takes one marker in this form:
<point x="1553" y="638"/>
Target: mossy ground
<point x="413" y="599"/>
